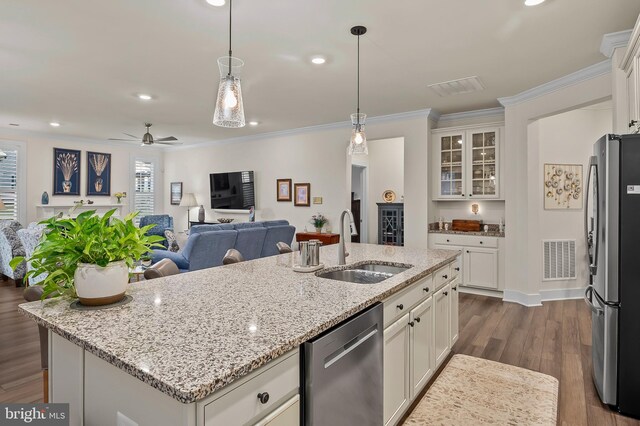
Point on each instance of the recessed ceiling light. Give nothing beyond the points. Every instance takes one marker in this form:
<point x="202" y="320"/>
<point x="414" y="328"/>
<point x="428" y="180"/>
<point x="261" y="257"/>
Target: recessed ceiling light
<point x="145" y="97"/>
<point x="253" y="123"/>
<point x="318" y="60"/>
<point x="216" y="2"/>
<point x="54" y="124"/>
<point x="532" y="2"/>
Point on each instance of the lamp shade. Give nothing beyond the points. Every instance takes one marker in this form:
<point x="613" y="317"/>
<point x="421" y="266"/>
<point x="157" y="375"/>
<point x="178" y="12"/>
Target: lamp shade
<point x="188" y="200"/>
<point x="229" y="110"/>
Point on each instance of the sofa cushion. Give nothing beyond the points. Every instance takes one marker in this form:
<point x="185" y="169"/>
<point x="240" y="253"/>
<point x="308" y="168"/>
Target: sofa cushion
<point x="250" y="241"/>
<point x="195" y="229"/>
<point x="281" y="222"/>
<point x="10" y="247"/>
<point x="177" y="258"/>
<point x="226" y="226"/>
<point x="276" y="234"/>
<point x="248" y="225"/>
<point x="207" y="249"/>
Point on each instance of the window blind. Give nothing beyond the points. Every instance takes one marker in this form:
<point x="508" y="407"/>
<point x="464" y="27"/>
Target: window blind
<point x="144" y="201"/>
<point x="247" y="189"/>
<point x="9" y="184"/>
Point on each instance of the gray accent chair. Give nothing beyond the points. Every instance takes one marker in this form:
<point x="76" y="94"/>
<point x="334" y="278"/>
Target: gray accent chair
<point x="163" y="268"/>
<point x="162" y="222"/>
<point x="30" y="238"/>
<point x="10" y="247"/>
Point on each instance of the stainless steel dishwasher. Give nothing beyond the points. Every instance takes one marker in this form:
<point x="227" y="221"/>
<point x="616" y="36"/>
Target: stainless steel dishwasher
<point x="343" y="373"/>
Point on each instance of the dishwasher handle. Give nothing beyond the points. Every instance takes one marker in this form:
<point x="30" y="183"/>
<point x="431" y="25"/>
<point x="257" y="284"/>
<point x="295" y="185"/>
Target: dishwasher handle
<point x="350" y="346"/>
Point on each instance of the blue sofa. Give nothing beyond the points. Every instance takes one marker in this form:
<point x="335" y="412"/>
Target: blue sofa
<point x="207" y="244"/>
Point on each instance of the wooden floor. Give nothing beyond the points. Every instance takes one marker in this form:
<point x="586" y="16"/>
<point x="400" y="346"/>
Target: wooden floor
<point x="554" y="339"/>
<point x="20" y="372"/>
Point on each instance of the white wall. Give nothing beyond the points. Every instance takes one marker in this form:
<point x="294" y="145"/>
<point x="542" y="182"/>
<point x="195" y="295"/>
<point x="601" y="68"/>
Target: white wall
<point x="316" y="155"/>
<point x="39" y="167"/>
<point x="386" y="171"/>
<point x="356" y="182"/>
<point x="564" y="139"/>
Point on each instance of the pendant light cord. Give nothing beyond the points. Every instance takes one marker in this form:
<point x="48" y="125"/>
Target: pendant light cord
<point x="230" y="4"/>
<point x="358" y="101"/>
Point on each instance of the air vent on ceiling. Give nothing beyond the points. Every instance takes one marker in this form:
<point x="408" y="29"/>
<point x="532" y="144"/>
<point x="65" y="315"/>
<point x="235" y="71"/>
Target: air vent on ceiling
<point x="559" y="259"/>
<point x="458" y="87"/>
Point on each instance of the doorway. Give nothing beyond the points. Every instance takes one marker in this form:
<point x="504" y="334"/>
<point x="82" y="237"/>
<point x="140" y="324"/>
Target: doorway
<point x="359" y="207"/>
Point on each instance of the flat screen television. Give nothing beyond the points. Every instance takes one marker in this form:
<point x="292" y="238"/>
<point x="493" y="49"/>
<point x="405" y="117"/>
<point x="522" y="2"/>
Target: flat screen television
<point x="233" y="190"/>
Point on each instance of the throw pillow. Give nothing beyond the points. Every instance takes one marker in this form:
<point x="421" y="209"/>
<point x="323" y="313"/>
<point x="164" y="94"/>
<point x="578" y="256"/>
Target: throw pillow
<point x="172" y="242"/>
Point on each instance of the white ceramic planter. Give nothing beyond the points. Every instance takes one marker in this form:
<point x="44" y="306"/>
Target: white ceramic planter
<point x="97" y="285"/>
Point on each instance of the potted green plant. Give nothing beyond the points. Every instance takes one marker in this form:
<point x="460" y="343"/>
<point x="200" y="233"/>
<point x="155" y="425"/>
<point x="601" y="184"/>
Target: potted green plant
<point x="318" y="222"/>
<point x="89" y="257"/>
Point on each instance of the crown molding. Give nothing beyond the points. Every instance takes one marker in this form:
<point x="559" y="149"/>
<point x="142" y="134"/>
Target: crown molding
<point x="467" y="115"/>
<point x="427" y="113"/>
<point x="592" y="71"/>
<point x="613" y="41"/>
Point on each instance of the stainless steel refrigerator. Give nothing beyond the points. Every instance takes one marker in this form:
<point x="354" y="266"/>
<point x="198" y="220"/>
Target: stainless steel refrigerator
<point x="612" y="227"/>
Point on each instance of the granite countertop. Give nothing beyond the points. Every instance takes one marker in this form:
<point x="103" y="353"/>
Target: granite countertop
<point x="479" y="234"/>
<point x="191" y="334"/>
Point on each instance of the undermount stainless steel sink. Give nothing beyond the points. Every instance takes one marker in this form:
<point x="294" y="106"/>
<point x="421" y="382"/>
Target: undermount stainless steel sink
<point x="365" y="273"/>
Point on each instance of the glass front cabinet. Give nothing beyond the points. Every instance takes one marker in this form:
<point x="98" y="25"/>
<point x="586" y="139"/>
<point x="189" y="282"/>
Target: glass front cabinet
<point x="466" y="163"/>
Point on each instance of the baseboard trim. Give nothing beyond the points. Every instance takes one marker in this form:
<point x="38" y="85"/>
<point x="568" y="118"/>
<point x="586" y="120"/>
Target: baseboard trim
<point x="480" y="292"/>
<point x="562" y="294"/>
<point x="522" y="298"/>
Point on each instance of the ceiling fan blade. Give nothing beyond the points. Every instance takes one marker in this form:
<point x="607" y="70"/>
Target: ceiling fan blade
<point x="168" y="143"/>
<point x="168" y="138"/>
<point x="127" y="140"/>
<point x="133" y="136"/>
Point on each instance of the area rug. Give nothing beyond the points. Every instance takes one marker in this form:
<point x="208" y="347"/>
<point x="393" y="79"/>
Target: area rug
<point x="474" y="391"/>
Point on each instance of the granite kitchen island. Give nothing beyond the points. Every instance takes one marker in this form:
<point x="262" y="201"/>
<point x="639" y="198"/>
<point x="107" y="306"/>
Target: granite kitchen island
<point x="196" y="348"/>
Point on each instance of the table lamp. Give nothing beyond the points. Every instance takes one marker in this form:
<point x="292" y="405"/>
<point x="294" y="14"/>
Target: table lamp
<point x="188" y="200"/>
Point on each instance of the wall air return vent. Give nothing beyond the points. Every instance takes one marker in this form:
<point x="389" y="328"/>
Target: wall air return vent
<point x="458" y="87"/>
<point x="559" y="260"/>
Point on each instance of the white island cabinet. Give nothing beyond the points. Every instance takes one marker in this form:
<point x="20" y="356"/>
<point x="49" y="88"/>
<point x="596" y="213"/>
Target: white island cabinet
<point x="418" y="336"/>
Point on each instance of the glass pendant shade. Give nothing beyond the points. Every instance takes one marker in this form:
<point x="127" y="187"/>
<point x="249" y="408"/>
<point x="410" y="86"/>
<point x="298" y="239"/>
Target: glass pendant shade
<point x="229" y="110"/>
<point x="358" y="143"/>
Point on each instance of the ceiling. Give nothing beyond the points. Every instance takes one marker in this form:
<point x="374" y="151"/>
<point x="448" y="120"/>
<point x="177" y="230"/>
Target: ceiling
<point x="81" y="62"/>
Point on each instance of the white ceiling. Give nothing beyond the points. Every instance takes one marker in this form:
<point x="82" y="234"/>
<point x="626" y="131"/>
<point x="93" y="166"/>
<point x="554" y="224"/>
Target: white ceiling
<point x="81" y="62"/>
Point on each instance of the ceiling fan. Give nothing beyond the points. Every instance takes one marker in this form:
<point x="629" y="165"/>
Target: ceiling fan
<point x="148" y="140"/>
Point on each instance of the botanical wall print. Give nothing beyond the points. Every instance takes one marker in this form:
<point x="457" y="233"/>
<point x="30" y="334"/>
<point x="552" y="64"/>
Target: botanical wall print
<point x="563" y="186"/>
<point x="66" y="171"/>
<point x="302" y="193"/>
<point x="176" y="193"/>
<point x="98" y="173"/>
<point x="283" y="189"/>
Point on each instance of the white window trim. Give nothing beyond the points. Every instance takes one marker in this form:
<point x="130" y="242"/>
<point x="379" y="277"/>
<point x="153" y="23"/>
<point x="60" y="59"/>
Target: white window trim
<point x="21" y="147"/>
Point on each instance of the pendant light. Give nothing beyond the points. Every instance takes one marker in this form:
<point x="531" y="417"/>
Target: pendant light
<point x="358" y="144"/>
<point x="229" y="109"/>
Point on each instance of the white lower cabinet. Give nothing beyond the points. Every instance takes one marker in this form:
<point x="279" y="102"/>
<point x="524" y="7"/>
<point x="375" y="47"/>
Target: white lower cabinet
<point x="396" y="370"/>
<point x="422" y="357"/>
<point x="481" y="267"/>
<point x="453" y="306"/>
<point x="442" y="335"/>
<point x="288" y="414"/>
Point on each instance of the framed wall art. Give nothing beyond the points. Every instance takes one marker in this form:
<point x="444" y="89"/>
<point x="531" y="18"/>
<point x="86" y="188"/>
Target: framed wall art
<point x="98" y="173"/>
<point x="66" y="171"/>
<point x="563" y="186"/>
<point x="283" y="189"/>
<point x="302" y="193"/>
<point x="176" y="193"/>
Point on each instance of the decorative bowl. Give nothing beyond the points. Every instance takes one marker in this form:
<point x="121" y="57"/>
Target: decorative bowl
<point x="224" y="220"/>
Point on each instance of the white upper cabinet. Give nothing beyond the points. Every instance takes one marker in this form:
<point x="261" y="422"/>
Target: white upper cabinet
<point x="466" y="163"/>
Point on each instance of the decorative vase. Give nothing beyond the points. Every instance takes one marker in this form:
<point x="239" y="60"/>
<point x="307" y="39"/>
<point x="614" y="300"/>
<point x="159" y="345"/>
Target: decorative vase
<point x="45" y="198"/>
<point x="201" y="214"/>
<point x="119" y="199"/>
<point x="319" y="230"/>
<point x="97" y="285"/>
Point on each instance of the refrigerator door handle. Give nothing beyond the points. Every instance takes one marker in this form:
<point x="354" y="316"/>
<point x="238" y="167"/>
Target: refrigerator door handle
<point x="593" y="260"/>
<point x="588" y="296"/>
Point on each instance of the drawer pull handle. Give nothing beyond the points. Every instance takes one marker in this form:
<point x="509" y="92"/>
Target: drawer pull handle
<point x="400" y="306"/>
<point x="445" y="276"/>
<point x="447" y="240"/>
<point x="417" y="319"/>
<point x="455" y="288"/>
<point x="457" y="269"/>
<point x="446" y="293"/>
<point x="411" y="324"/>
<point x="467" y="251"/>
<point x="481" y="242"/>
<point x="263" y="397"/>
<point x="426" y="289"/>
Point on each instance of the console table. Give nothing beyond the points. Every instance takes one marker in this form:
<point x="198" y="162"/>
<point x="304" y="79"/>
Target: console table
<point x="325" y="239"/>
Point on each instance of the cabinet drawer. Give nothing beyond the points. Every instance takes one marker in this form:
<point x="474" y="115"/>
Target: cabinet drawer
<point x="241" y="404"/>
<point x="441" y="276"/>
<point x="464" y="240"/>
<point x="456" y="267"/>
<point x="400" y="304"/>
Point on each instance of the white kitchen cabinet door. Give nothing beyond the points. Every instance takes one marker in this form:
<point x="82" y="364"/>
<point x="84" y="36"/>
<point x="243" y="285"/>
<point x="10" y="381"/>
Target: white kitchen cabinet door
<point x="449" y="150"/>
<point x="633" y="96"/>
<point x="453" y="307"/>
<point x="396" y="370"/>
<point x="441" y="323"/>
<point x="422" y="346"/>
<point x="480" y="267"/>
